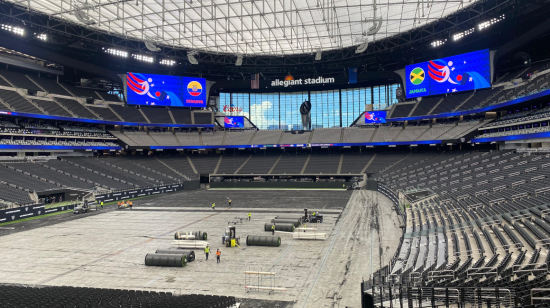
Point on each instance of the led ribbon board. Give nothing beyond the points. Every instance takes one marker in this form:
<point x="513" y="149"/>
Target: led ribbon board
<point x="163" y="90"/>
<point x="463" y="72"/>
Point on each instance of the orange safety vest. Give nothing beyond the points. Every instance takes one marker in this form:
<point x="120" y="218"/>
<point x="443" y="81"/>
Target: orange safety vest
<point x="218" y="253"/>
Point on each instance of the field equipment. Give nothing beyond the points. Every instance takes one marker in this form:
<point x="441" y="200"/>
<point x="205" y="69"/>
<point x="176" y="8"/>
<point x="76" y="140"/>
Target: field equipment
<point x="309" y="236"/>
<point x="81" y="208"/>
<point x="172" y="260"/>
<point x="190" y="244"/>
<point x="279" y="227"/>
<point x="254" y="240"/>
<point x="312" y="218"/>
<point x="229" y="238"/>
<point x="170" y="251"/>
<point x="289" y="217"/>
<point x="295" y="222"/>
<point x="190" y="235"/>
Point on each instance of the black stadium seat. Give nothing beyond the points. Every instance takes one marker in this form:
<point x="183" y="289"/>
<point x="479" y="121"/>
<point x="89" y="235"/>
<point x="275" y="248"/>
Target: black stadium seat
<point x="18" y="102"/>
<point x="157" y="114"/>
<point x="129" y="114"/>
<point x="47" y="296"/>
<point x="52" y="108"/>
<point x="402" y="110"/>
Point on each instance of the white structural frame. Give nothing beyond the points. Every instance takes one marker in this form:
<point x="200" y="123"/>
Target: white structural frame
<point x="250" y="27"/>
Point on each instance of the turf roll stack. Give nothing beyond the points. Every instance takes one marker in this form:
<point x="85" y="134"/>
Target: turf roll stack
<point x="295" y="222"/>
<point x="171" y="260"/>
<point x="280" y="227"/>
<point x="196" y="235"/>
<point x="254" y="240"/>
<point x="288" y="217"/>
<point x="170" y="251"/>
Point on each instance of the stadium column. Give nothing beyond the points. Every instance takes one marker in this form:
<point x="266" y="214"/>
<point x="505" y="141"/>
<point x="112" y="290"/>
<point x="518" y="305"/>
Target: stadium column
<point x="340" y="100"/>
<point x="309" y="100"/>
<point x="279" y="94"/>
<point x="372" y="96"/>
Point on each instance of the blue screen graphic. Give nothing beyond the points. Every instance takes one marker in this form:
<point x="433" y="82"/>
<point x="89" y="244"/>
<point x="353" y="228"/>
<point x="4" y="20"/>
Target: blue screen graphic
<point x="163" y="90"/>
<point x="375" y="117"/>
<point x="233" y="122"/>
<point x="463" y="72"/>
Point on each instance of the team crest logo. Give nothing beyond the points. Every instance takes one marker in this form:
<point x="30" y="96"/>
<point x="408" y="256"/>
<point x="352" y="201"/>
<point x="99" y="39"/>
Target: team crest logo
<point x="13" y="217"/>
<point x="229" y="121"/>
<point x="440" y="71"/>
<point x="194" y="88"/>
<point x="26" y="209"/>
<point x="417" y="76"/>
<point x="39" y="212"/>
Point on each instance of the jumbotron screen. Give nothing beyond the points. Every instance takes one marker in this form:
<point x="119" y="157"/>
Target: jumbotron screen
<point x="463" y="72"/>
<point x="163" y="90"/>
<point x="233" y="122"/>
<point x="375" y="117"/>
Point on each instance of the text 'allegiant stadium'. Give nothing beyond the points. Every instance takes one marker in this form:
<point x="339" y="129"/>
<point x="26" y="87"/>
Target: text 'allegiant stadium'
<point x="297" y="82"/>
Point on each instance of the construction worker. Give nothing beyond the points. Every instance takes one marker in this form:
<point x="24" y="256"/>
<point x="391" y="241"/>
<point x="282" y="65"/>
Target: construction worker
<point x="206" y="251"/>
<point x="213" y="206"/>
<point x="101" y="204"/>
<point x="118" y="204"/>
<point x="273" y="229"/>
<point x="130" y="203"/>
<point x="313" y="214"/>
<point x="218" y="253"/>
<point x="304" y="226"/>
<point x="229" y="200"/>
<point x="249" y="215"/>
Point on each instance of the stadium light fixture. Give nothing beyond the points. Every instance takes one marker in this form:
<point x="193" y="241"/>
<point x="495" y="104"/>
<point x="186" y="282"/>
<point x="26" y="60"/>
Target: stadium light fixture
<point x="168" y="62"/>
<point x="42" y="37"/>
<point x="144" y="58"/>
<point x="491" y="22"/>
<point x="458" y="36"/>
<point x="438" y="43"/>
<point x="116" y="52"/>
<point x="16" y="30"/>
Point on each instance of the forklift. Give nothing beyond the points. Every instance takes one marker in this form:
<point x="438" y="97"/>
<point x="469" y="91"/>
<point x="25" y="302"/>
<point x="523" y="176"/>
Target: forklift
<point x="312" y="218"/>
<point x="229" y="238"/>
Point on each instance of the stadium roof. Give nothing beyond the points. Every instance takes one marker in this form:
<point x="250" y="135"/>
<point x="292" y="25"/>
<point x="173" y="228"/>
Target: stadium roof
<point x="249" y="27"/>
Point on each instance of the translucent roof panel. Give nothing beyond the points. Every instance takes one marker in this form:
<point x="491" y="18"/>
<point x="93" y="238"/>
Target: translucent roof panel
<point x="249" y="27"/>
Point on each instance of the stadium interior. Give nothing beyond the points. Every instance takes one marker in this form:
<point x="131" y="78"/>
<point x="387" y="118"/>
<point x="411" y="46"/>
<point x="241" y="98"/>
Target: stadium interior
<point x="340" y="154"/>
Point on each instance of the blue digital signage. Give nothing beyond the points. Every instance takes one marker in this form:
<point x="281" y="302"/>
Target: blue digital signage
<point x="163" y="90"/>
<point x="375" y="117"/>
<point x="233" y="122"/>
<point x="463" y="72"/>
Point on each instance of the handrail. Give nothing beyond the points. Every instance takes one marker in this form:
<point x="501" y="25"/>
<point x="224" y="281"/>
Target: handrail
<point x="539" y="298"/>
<point x="144" y="187"/>
<point x="538" y="269"/>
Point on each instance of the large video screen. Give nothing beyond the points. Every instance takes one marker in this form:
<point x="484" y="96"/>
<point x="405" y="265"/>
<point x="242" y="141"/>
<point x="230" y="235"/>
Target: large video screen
<point x="463" y="72"/>
<point x="375" y="117"/>
<point x="233" y="122"/>
<point x="163" y="90"/>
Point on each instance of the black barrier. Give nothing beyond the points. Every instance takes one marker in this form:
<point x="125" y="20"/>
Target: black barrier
<point x="372" y="185"/>
<point x="147" y="191"/>
<point x="294" y="185"/>
<point x="30" y="211"/>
